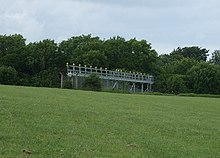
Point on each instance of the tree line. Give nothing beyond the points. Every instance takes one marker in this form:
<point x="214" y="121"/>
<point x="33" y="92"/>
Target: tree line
<point x="39" y="63"/>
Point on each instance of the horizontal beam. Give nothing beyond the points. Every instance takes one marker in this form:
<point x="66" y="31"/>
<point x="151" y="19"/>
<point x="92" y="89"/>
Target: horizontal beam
<point x="73" y="70"/>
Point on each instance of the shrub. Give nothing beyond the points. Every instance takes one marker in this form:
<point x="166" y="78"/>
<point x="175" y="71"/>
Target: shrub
<point x="8" y="75"/>
<point x="92" y="82"/>
<point x="67" y="84"/>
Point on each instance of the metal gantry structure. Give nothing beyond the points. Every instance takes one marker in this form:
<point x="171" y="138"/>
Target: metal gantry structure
<point x="137" y="82"/>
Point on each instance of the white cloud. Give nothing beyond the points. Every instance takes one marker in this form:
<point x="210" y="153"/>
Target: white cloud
<point x="165" y="24"/>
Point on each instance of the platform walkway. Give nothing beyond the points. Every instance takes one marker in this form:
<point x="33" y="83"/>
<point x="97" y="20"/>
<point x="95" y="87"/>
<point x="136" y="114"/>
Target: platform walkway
<point x="118" y="75"/>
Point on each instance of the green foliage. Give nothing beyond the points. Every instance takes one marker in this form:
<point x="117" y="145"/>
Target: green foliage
<point x="176" y="84"/>
<point x="93" y="58"/>
<point x="8" y="75"/>
<point x="195" y="78"/>
<point x="47" y="78"/>
<point x="170" y="83"/>
<point x="67" y="84"/>
<point x="204" y="78"/>
<point x="13" y="52"/>
<point x="179" y="66"/>
<point x="76" y="47"/>
<point x="161" y="83"/>
<point x="216" y="57"/>
<point x="68" y="123"/>
<point x="196" y="53"/>
<point x="92" y="82"/>
<point x="12" y="44"/>
<point x="39" y="63"/>
<point x="133" y="55"/>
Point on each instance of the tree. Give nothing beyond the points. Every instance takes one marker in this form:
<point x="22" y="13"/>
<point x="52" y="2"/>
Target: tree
<point x="204" y="78"/>
<point x="12" y="52"/>
<point x="93" y="58"/>
<point x="196" y="53"/>
<point x="176" y="84"/>
<point x="46" y="78"/>
<point x="179" y="66"/>
<point x="12" y="44"/>
<point x="132" y="55"/>
<point x="216" y="57"/>
<point x="75" y="47"/>
<point x="92" y="82"/>
<point x="8" y="75"/>
<point x="171" y="83"/>
<point x="45" y="61"/>
<point x="115" y="50"/>
<point x="161" y="83"/>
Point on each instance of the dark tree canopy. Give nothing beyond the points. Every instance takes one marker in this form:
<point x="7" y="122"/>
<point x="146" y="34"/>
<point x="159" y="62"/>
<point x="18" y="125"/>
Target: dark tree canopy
<point x="39" y="63"/>
<point x="216" y="57"/>
<point x="204" y="78"/>
<point x="196" y="53"/>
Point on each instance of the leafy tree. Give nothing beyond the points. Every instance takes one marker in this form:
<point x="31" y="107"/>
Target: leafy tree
<point x="46" y="78"/>
<point x="176" y="84"/>
<point x="161" y="83"/>
<point x="171" y="83"/>
<point x="12" y="52"/>
<point x="45" y="61"/>
<point x="75" y="47"/>
<point x="204" y="78"/>
<point x="115" y="51"/>
<point x="179" y="66"/>
<point x="216" y="57"/>
<point x="44" y="55"/>
<point x="93" y="58"/>
<point x="12" y="44"/>
<point x="133" y="55"/>
<point x="196" y="53"/>
<point x="8" y="75"/>
<point x="93" y="82"/>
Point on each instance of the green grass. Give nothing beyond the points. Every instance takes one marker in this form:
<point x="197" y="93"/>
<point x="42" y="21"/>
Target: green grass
<point x="55" y="123"/>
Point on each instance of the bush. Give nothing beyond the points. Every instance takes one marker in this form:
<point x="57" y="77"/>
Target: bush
<point x="176" y="84"/>
<point x="92" y="82"/>
<point x="67" y="84"/>
<point x="8" y="75"/>
<point x="204" y="79"/>
<point x="170" y="83"/>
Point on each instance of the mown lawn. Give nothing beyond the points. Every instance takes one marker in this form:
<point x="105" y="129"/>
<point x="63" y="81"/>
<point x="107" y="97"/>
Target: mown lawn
<point x="53" y="123"/>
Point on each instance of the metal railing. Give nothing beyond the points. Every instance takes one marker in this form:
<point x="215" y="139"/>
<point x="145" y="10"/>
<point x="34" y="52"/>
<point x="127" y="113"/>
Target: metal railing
<point x="117" y="75"/>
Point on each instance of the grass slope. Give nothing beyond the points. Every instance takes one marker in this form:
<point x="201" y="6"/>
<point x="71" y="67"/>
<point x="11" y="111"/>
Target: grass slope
<point x="67" y="123"/>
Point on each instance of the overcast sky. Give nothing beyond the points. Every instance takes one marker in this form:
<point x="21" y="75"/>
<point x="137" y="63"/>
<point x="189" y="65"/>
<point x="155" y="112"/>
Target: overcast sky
<point x="166" y="24"/>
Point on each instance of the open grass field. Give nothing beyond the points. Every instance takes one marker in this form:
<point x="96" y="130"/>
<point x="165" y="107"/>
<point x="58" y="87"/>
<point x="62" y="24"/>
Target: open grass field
<point x="56" y="123"/>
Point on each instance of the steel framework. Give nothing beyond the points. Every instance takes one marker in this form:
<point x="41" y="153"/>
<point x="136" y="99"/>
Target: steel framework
<point x="115" y="77"/>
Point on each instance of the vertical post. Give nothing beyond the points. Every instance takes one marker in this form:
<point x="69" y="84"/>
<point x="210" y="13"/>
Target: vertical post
<point x="72" y="81"/>
<point x="85" y="69"/>
<point x="106" y="72"/>
<point x="96" y="70"/>
<point x="107" y="83"/>
<point x="101" y="71"/>
<point x="134" y="88"/>
<point x="61" y="80"/>
<point x="142" y="87"/>
<point x="90" y="69"/>
<point x="76" y="81"/>
<point x="79" y="68"/>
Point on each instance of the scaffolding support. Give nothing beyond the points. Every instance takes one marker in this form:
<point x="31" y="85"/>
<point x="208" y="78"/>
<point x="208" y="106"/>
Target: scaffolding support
<point x="138" y="80"/>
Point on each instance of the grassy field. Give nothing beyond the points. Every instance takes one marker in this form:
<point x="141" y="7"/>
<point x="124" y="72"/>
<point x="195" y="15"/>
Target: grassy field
<point x="55" y="123"/>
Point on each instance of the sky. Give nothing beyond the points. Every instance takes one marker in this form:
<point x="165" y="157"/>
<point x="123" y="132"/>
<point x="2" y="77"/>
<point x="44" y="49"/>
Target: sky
<point x="166" y="24"/>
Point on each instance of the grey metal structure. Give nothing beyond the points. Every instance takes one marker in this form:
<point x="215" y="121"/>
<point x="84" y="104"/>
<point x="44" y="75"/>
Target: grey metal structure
<point x="115" y="77"/>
